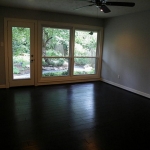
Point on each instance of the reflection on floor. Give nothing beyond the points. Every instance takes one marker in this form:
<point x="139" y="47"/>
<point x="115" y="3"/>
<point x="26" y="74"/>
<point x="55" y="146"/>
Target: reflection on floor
<point x="84" y="116"/>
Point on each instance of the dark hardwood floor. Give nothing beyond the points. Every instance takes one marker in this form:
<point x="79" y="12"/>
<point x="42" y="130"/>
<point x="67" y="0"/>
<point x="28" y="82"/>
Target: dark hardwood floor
<point x="83" y="116"/>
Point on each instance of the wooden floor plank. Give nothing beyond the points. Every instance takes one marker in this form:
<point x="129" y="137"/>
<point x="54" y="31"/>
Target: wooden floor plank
<point x="82" y="116"/>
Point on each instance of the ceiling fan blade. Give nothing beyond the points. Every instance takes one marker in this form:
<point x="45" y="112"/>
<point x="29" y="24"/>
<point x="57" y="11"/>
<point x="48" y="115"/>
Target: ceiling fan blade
<point x="90" y="1"/>
<point x="105" y="9"/>
<point x="84" y="6"/>
<point x="126" y="4"/>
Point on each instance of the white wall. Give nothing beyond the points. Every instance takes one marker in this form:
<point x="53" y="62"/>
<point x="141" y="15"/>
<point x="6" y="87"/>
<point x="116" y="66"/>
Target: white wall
<point x="126" y="51"/>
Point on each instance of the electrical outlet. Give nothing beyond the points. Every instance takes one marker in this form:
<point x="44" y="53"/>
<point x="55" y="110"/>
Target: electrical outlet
<point x="118" y="76"/>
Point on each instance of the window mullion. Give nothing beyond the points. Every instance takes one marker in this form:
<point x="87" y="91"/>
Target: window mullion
<point x="54" y="57"/>
<point x="72" y="35"/>
<point x="84" y="57"/>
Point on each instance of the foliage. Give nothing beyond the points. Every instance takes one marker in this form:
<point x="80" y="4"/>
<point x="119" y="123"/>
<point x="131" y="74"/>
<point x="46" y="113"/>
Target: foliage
<point x="16" y="70"/>
<point x="81" y="61"/>
<point x="54" y="36"/>
<point x="85" y="45"/>
<point x="52" y="53"/>
<point x="54" y="62"/>
<point x="87" y="41"/>
<point x="21" y="60"/>
<point x="20" y="40"/>
<point x="60" y="62"/>
<point x="84" y="72"/>
<point x="44" y="63"/>
<point x="64" y="73"/>
<point x="79" y="50"/>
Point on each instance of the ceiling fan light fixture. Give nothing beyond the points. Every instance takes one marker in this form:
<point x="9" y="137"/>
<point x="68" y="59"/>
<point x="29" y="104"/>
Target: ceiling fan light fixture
<point x="101" y="9"/>
<point x="103" y="5"/>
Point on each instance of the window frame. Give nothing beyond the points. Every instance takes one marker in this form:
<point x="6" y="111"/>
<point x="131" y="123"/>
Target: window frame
<point x="66" y="57"/>
<point x="97" y="51"/>
<point x="70" y="77"/>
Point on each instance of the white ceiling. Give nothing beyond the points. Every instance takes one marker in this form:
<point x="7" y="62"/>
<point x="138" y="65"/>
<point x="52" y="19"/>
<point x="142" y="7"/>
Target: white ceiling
<point x="68" y="6"/>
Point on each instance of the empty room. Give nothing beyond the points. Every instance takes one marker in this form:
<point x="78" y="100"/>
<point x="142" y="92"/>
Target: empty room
<point x="75" y="74"/>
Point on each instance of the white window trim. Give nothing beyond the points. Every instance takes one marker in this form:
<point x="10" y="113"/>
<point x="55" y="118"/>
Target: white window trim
<point x="71" y="77"/>
<point x="6" y="20"/>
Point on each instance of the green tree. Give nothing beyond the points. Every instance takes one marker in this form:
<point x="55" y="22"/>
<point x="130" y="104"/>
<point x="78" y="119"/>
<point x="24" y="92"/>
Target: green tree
<point x="52" y="37"/>
<point x="20" y="40"/>
<point x="86" y="41"/>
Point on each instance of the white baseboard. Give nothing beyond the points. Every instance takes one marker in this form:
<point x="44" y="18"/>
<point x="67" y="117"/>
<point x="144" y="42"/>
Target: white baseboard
<point x="2" y="86"/>
<point x="126" y="88"/>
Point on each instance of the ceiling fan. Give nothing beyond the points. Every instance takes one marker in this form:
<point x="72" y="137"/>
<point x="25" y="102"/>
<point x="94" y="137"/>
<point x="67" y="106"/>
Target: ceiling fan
<point x="102" y="4"/>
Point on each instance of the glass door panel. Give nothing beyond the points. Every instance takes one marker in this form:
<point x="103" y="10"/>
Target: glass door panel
<point x="21" y="53"/>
